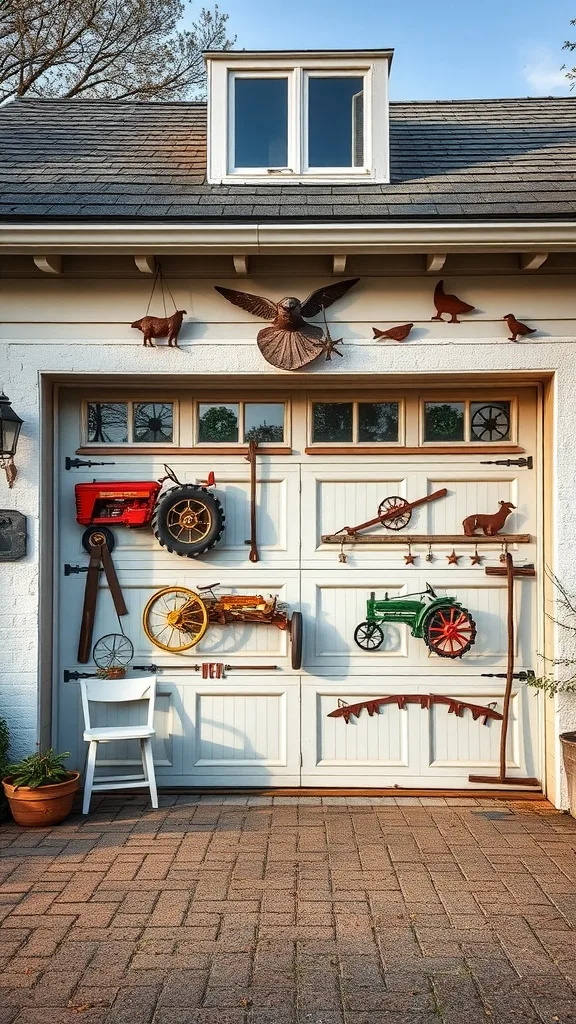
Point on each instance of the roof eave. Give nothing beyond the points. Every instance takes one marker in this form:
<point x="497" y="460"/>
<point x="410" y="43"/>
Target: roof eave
<point x="258" y="237"/>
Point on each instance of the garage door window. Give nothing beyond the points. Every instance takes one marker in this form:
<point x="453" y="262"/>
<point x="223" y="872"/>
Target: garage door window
<point x="241" y="422"/>
<point x="129" y="422"/>
<point x="485" y="422"/>
<point x="340" y="422"/>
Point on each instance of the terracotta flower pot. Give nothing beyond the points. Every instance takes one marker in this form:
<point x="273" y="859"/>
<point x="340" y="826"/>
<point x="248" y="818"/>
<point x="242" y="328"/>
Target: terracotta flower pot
<point x="46" y="805"/>
<point x="568" y="741"/>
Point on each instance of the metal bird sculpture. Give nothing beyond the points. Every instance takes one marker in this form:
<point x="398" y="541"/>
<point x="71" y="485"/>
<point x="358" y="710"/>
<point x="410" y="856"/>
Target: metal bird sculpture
<point x="451" y="304"/>
<point x="517" y="328"/>
<point x="394" y="333"/>
<point x="291" y="342"/>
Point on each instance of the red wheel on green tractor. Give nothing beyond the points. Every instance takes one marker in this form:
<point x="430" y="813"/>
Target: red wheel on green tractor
<point x="450" y="631"/>
<point x="188" y="520"/>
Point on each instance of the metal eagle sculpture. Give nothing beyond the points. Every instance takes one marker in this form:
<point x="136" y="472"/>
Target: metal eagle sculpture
<point x="291" y="342"/>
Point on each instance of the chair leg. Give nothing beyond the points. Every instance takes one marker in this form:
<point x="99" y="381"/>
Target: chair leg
<point x="148" y="761"/>
<point x="89" y="776"/>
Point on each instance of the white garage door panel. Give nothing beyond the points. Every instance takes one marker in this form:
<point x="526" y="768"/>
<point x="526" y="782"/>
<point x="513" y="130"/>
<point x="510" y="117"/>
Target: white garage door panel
<point x="335" y="603"/>
<point x="239" y="641"/>
<point x="412" y="746"/>
<point x="246" y="729"/>
<point x="278" y="493"/>
<point x="351" y="494"/>
<point x="217" y="733"/>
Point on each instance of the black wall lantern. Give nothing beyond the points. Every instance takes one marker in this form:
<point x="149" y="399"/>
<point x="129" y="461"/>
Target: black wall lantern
<point x="10" y="424"/>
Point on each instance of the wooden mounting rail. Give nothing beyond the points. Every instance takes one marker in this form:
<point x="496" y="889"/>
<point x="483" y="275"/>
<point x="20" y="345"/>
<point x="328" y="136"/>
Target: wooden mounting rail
<point x="425" y="538"/>
<point x="425" y="700"/>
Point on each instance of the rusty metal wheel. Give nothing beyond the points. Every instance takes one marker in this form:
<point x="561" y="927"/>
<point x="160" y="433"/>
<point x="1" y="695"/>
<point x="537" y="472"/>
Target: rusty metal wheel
<point x="175" y="619"/>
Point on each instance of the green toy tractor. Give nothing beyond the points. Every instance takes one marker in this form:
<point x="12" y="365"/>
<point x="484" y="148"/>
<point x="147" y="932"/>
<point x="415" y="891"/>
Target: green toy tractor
<point x="446" y="627"/>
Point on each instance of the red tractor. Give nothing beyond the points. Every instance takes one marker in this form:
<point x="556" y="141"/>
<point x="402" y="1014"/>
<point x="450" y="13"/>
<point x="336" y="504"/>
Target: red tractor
<point x="185" y="518"/>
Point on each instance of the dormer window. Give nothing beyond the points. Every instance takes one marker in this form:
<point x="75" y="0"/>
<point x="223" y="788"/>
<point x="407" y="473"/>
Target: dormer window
<point x="298" y="116"/>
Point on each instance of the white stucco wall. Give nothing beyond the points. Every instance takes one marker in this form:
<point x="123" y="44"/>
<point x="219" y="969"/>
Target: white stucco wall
<point x="81" y="327"/>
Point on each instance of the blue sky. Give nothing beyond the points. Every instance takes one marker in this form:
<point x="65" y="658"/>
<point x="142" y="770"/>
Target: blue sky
<point x="443" y="50"/>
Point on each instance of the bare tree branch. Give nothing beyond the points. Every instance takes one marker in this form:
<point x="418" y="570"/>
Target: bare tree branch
<point x="111" y="49"/>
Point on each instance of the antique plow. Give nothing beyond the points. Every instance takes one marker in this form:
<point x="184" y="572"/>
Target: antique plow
<point x="425" y="700"/>
<point x="394" y="513"/>
<point x="176" y="618"/>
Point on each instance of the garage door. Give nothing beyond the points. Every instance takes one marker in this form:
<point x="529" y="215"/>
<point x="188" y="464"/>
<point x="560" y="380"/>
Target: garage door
<point x="265" y="723"/>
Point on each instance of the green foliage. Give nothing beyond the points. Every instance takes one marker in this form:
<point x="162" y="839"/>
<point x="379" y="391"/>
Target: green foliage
<point x="4" y="744"/>
<point x="561" y="675"/>
<point x="265" y="433"/>
<point x="44" y="768"/>
<point x="218" y="424"/>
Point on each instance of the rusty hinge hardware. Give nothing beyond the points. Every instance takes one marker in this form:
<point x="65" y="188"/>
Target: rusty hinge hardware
<point x="80" y="463"/>
<point x="528" y="462"/>
<point x="524" y="677"/>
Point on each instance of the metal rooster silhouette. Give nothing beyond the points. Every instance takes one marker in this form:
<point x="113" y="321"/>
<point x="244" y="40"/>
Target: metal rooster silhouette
<point x="291" y="342"/>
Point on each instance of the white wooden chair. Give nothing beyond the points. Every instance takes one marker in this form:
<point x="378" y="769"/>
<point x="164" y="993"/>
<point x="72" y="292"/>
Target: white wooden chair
<point x="119" y="691"/>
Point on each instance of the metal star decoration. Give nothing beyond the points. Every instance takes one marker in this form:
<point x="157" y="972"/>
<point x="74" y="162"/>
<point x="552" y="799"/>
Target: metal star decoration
<point x="452" y="558"/>
<point x="476" y="559"/>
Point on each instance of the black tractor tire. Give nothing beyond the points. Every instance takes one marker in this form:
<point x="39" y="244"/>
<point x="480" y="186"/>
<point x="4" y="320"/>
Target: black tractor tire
<point x="369" y="636"/>
<point x="203" y="503"/>
<point x="296" y="638"/>
<point x="96" y="535"/>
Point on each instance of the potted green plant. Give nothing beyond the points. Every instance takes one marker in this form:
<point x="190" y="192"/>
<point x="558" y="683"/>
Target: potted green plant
<point x="40" y="789"/>
<point x="4" y="744"/>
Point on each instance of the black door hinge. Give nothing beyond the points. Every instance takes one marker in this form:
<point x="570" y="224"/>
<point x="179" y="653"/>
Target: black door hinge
<point x="528" y="462"/>
<point x="79" y="463"/>
<point x="524" y="677"/>
<point x="73" y="570"/>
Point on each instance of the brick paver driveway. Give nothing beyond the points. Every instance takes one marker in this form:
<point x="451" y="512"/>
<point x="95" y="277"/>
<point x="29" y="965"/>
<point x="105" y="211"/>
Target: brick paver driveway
<point x="243" y="910"/>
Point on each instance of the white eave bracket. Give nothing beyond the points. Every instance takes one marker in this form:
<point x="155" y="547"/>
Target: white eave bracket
<point x="241" y="265"/>
<point x="49" y="264"/>
<point x="145" y="264"/>
<point x="532" y="260"/>
<point x="435" y="261"/>
<point x="339" y="263"/>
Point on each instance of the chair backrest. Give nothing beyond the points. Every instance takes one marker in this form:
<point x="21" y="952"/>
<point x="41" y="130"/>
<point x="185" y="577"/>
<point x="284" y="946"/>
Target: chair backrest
<point x="118" y="691"/>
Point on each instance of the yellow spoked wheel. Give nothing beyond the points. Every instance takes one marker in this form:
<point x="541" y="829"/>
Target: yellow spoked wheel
<point x="175" y="619"/>
<point x="189" y="521"/>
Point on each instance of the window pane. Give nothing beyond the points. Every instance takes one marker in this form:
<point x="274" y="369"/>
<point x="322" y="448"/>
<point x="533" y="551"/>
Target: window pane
<point x="490" y="421"/>
<point x="378" y="421"/>
<point x="217" y="423"/>
<point x="108" y="421"/>
<point x="264" y="422"/>
<point x="153" y="422"/>
<point x="261" y="122"/>
<point x="332" y="421"/>
<point x="444" y="421"/>
<point x="335" y="122"/>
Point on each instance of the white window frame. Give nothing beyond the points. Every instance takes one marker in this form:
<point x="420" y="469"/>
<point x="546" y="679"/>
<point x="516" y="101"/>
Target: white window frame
<point x="241" y="403"/>
<point x="355" y="402"/>
<point x="130" y="403"/>
<point x="468" y="401"/>
<point x="223" y="69"/>
<point x="365" y="75"/>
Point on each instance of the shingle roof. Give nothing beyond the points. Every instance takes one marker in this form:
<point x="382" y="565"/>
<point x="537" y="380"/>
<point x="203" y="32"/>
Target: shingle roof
<point x="103" y="160"/>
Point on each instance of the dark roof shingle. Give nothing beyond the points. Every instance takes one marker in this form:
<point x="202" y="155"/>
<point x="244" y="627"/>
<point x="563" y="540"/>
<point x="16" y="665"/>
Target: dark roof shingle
<point x="103" y="160"/>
